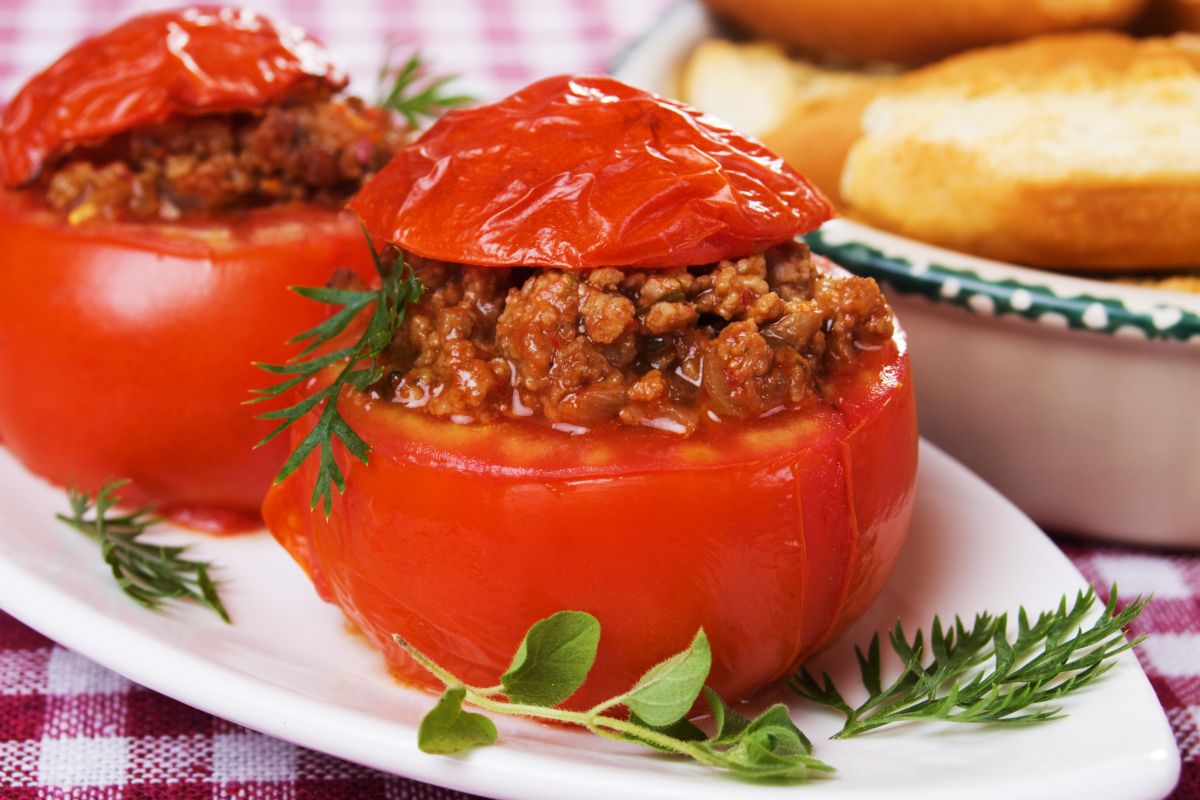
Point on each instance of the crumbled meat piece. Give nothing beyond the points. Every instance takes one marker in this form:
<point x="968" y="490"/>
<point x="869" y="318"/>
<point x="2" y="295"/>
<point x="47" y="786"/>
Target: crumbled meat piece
<point x="799" y="327"/>
<point x="605" y="316"/>
<point x="607" y="278"/>
<point x="465" y="379"/>
<point x="539" y="320"/>
<point x="765" y="308"/>
<point x="733" y="287"/>
<point x="639" y="347"/>
<point x="584" y="387"/>
<point x="648" y="388"/>
<point x="795" y="371"/>
<point x="319" y="151"/>
<point x="657" y="287"/>
<point x="664" y="317"/>
<point x="739" y="374"/>
<point x="790" y="278"/>
<point x="858" y="315"/>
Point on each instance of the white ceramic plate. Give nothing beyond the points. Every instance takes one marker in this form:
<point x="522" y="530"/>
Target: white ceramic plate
<point x="1073" y="397"/>
<point x="289" y="667"/>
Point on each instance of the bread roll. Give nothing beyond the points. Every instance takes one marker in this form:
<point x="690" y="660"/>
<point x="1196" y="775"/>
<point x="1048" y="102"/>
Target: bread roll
<point x="917" y="31"/>
<point x="1071" y="152"/>
<point x="1169" y="283"/>
<point x="807" y="114"/>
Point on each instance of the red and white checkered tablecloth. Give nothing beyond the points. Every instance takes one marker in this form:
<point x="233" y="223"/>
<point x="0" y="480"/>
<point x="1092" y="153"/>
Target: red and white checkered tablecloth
<point x="71" y="729"/>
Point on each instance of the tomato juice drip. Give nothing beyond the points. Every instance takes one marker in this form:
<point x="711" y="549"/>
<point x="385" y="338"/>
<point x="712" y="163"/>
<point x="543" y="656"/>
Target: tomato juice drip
<point x="213" y="520"/>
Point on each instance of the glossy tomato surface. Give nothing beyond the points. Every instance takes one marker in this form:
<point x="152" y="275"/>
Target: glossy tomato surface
<point x="185" y="61"/>
<point x="584" y="171"/>
<point x="772" y="534"/>
<point x="126" y="350"/>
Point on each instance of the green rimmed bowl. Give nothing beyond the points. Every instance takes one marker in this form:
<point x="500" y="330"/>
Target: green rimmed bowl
<point x="1078" y="398"/>
<point x="990" y="288"/>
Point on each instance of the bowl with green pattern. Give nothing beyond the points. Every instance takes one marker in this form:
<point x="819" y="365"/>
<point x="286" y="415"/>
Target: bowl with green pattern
<point x="1077" y="398"/>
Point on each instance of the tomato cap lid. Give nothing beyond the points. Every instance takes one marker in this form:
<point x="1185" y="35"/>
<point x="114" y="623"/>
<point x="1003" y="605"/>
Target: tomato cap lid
<point x="584" y="171"/>
<point x="197" y="60"/>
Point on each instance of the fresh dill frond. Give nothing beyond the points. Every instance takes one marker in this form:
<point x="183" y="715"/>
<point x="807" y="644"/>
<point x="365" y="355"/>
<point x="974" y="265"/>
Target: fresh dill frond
<point x="981" y="673"/>
<point x="151" y="574"/>
<point x="399" y="286"/>
<point x="410" y="91"/>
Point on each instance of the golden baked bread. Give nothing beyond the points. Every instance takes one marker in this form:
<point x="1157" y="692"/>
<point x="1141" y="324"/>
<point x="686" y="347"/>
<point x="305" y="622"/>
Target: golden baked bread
<point x="1072" y="152"/>
<point x="917" y="31"/>
<point x="806" y="113"/>
<point x="1170" y="283"/>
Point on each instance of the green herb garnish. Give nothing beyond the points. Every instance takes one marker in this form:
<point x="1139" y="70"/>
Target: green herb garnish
<point x="553" y="660"/>
<point x="399" y="287"/>
<point x="151" y="574"/>
<point x="978" y="674"/>
<point x="411" y="93"/>
<point x="974" y="675"/>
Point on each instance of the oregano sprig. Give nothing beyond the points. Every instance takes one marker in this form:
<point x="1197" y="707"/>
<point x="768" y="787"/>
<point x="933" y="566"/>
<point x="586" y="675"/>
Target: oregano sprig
<point x="552" y="662"/>
<point x="978" y="673"/>
<point x="410" y="91"/>
<point x="150" y="574"/>
<point x="399" y="286"/>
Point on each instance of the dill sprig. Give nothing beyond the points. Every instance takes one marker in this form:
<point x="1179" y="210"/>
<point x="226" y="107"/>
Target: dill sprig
<point x="151" y="574"/>
<point x="399" y="286"/>
<point x="979" y="674"/>
<point x="411" y="92"/>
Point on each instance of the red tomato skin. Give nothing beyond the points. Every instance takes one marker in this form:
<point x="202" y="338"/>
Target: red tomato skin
<point x="460" y="537"/>
<point x="883" y="510"/>
<point x="583" y="171"/>
<point x="188" y="61"/>
<point x="126" y="351"/>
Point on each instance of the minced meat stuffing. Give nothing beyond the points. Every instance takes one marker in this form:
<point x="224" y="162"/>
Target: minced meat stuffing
<point x="319" y="151"/>
<point x="661" y="348"/>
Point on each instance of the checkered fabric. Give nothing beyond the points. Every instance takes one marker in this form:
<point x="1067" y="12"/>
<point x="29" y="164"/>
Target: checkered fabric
<point x="497" y="46"/>
<point x="1171" y="654"/>
<point x="71" y="729"/>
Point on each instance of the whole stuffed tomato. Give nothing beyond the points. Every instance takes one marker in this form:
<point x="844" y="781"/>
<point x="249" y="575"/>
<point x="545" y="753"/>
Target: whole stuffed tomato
<point x="624" y="390"/>
<point x="165" y="182"/>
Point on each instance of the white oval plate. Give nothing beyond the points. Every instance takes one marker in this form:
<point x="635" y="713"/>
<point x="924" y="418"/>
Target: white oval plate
<point x="290" y="668"/>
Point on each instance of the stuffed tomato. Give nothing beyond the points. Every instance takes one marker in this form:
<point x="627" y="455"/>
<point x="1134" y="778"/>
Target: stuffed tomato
<point x="624" y="389"/>
<point x="164" y="183"/>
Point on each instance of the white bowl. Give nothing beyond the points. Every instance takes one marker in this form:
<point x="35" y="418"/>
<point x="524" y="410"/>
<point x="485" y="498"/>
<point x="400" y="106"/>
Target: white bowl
<point x="1079" y="399"/>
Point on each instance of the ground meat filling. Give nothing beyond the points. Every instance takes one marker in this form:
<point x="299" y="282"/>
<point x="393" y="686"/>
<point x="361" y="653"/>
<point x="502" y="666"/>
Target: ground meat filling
<point x="319" y="150"/>
<point x="653" y="347"/>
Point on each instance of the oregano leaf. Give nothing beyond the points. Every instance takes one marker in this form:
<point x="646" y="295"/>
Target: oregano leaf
<point x="768" y="747"/>
<point x="553" y="660"/>
<point x="448" y="729"/>
<point x="669" y="689"/>
<point x="727" y="725"/>
<point x="777" y="723"/>
<point x="683" y="730"/>
<point x="763" y="754"/>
